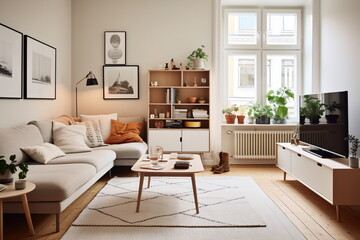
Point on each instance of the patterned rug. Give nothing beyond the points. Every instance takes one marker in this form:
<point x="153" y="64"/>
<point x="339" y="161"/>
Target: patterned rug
<point x="169" y="202"/>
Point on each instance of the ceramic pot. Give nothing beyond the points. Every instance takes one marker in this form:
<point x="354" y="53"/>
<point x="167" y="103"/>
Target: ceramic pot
<point x="20" y="184"/>
<point x="331" y="118"/>
<point x="230" y="119"/>
<point x="250" y="120"/>
<point x="353" y="162"/>
<point x="283" y="121"/>
<point x="199" y="63"/>
<point x="240" y="119"/>
<point x="263" y="120"/>
<point x="191" y="99"/>
<point x="315" y="119"/>
<point x="7" y="177"/>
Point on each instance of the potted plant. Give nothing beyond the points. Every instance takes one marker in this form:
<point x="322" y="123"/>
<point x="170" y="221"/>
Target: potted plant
<point x="278" y="100"/>
<point x="331" y="108"/>
<point x="198" y="57"/>
<point x="230" y="113"/>
<point x="250" y="112"/>
<point x="353" y="160"/>
<point x="201" y="100"/>
<point x="262" y="113"/>
<point x="8" y="169"/>
<point x="314" y="108"/>
<point x="303" y="115"/>
<point x="241" y="114"/>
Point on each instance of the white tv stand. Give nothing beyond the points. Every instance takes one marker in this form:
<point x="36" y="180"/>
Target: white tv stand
<point x="332" y="179"/>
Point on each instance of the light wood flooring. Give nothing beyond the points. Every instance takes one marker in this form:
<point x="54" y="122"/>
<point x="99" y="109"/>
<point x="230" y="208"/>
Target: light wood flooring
<point x="312" y="215"/>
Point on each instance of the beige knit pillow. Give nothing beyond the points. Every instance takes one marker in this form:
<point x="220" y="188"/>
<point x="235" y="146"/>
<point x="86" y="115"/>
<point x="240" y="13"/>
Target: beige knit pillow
<point x="93" y="132"/>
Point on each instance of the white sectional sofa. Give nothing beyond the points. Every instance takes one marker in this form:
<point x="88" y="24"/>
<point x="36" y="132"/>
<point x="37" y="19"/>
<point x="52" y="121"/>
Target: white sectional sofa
<point x="63" y="179"/>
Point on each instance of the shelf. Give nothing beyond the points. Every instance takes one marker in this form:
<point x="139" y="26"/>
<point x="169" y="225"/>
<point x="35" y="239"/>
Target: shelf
<point x="178" y="87"/>
<point x="191" y="119"/>
<point x="192" y="104"/>
<point x="155" y="119"/>
<point x="177" y="128"/>
<point x="160" y="104"/>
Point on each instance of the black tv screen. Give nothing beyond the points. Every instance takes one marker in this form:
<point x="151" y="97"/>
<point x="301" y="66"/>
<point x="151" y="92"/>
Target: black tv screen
<point x="325" y="127"/>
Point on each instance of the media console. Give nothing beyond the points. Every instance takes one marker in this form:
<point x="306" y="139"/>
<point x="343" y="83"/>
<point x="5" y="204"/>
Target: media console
<point x="332" y="179"/>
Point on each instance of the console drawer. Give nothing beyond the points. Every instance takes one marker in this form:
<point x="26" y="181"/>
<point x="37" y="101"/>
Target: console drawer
<point x="283" y="159"/>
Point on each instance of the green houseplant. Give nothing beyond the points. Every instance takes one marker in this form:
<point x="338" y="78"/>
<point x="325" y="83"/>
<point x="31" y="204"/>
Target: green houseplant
<point x="278" y="100"/>
<point x="197" y="58"/>
<point x="331" y="109"/>
<point x="261" y="113"/>
<point x="230" y="113"/>
<point x="354" y="141"/>
<point x="314" y="108"/>
<point x="8" y="169"/>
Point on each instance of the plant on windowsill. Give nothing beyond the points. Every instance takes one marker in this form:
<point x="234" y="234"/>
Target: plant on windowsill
<point x="303" y="115"/>
<point x="197" y="58"/>
<point x="353" y="160"/>
<point x="331" y="109"/>
<point x="261" y="113"/>
<point x="314" y="108"/>
<point x="230" y="113"/>
<point x="241" y="114"/>
<point x="278" y="100"/>
<point x="8" y="169"/>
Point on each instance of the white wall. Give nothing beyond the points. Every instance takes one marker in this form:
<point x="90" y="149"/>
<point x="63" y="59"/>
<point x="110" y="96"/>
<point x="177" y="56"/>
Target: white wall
<point x="49" y="22"/>
<point x="340" y="53"/>
<point x="156" y="31"/>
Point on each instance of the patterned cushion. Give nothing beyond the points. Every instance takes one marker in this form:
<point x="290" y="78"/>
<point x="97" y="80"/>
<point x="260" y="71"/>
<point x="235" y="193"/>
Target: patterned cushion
<point x="93" y="132"/>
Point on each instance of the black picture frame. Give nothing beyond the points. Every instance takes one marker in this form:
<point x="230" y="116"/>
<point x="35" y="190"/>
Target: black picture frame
<point x="115" y="48"/>
<point x="39" y="69"/>
<point x="121" y="82"/>
<point x="11" y="63"/>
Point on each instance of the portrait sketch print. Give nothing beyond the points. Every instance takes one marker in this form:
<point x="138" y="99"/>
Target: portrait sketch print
<point x="115" y="48"/>
<point x="121" y="82"/>
<point x="40" y="70"/>
<point x="10" y="62"/>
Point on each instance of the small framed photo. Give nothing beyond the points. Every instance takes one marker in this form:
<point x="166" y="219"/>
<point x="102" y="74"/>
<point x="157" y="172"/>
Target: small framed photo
<point x="40" y="70"/>
<point x="121" y="82"/>
<point x="115" y="48"/>
<point x="11" y="42"/>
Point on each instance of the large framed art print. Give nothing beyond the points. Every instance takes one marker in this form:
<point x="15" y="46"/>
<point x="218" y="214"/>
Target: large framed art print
<point x="40" y="70"/>
<point x="11" y="42"/>
<point x="121" y="82"/>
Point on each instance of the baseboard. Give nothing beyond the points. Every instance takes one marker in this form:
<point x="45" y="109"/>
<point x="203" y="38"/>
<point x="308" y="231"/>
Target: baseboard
<point x="252" y="161"/>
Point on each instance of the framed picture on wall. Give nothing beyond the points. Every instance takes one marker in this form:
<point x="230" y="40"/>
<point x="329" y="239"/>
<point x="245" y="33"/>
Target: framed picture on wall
<point x="11" y="42"/>
<point x="40" y="70"/>
<point x="115" y="48"/>
<point x="121" y="82"/>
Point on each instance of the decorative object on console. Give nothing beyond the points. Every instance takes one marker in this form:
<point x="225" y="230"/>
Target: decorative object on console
<point x="90" y="81"/>
<point x="8" y="169"/>
<point x="40" y="70"/>
<point x="10" y="62"/>
<point x="353" y="160"/>
<point x="115" y="47"/>
<point x="121" y="82"/>
<point x="230" y="113"/>
<point x="197" y="58"/>
<point x="295" y="137"/>
<point x="125" y="132"/>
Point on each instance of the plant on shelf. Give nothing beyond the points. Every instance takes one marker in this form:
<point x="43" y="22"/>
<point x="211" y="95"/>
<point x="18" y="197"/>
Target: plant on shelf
<point x="331" y="109"/>
<point x="230" y="113"/>
<point x="201" y="100"/>
<point x="241" y="114"/>
<point x="354" y="141"/>
<point x="315" y="109"/>
<point x="8" y="169"/>
<point x="278" y="100"/>
<point x="197" y="58"/>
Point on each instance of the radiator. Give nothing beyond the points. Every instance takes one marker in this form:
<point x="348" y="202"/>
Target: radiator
<point x="252" y="144"/>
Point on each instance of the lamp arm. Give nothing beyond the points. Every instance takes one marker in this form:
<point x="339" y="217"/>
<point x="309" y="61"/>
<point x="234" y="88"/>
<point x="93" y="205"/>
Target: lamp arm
<point x="80" y="81"/>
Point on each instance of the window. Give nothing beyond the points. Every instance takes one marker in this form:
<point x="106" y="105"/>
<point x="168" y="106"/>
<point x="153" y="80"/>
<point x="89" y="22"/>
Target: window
<point x="261" y="55"/>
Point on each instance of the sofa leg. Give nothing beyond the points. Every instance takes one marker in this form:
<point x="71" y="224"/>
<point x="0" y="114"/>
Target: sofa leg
<point x="57" y="222"/>
<point x="110" y="173"/>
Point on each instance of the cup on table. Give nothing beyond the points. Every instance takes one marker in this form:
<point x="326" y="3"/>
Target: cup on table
<point x="154" y="155"/>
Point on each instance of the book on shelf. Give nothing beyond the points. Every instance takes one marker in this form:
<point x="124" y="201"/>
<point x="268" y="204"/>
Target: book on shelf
<point x="168" y="95"/>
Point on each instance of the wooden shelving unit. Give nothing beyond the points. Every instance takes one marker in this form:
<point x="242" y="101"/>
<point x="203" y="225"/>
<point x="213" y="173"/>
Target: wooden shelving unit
<point x="162" y="100"/>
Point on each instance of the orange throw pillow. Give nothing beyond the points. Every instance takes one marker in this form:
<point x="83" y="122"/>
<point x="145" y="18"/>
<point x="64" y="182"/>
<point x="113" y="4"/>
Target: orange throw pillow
<point x="125" y="132"/>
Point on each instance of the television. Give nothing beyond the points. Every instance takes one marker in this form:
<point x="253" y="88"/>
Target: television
<point x="325" y="128"/>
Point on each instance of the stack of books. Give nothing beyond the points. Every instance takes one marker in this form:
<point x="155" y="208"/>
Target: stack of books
<point x="180" y="113"/>
<point x="200" y="113"/>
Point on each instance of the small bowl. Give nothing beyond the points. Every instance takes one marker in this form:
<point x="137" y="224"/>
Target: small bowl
<point x="191" y="99"/>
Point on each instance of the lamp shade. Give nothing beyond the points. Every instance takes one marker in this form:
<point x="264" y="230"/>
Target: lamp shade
<point x="91" y="79"/>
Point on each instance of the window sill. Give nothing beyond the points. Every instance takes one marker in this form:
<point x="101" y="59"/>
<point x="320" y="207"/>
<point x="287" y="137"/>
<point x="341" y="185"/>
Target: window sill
<point x="259" y="125"/>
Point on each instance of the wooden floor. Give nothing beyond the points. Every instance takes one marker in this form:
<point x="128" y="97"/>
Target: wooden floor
<point x="312" y="215"/>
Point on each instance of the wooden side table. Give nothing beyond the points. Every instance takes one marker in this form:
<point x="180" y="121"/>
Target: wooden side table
<point x="10" y="192"/>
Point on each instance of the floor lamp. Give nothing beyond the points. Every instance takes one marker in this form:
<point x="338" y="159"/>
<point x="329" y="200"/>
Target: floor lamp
<point x="90" y="80"/>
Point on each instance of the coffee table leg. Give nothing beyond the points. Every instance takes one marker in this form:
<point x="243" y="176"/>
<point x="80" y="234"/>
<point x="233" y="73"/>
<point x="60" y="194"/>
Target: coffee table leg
<point x="142" y="175"/>
<point x="149" y="178"/>
<point x="1" y="221"/>
<point x="195" y="192"/>
<point x="27" y="213"/>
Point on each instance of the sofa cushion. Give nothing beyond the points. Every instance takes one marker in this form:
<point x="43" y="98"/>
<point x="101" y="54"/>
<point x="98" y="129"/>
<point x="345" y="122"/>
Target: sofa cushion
<point x="43" y="153"/>
<point x="105" y="122"/>
<point x="132" y="150"/>
<point x="125" y="132"/>
<point x="45" y="128"/>
<point x="57" y="182"/>
<point x="93" y="132"/>
<point x="98" y="159"/>
<point x="12" y="139"/>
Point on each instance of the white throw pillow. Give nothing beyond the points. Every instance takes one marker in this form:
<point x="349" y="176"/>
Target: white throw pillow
<point x="93" y="133"/>
<point x="105" y="122"/>
<point x="70" y="138"/>
<point x="43" y="153"/>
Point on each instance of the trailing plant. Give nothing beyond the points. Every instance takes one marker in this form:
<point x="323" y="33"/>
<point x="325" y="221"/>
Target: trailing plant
<point x="354" y="141"/>
<point x="278" y="100"/>
<point x="12" y="167"/>
<point x="198" y="53"/>
<point x="230" y="110"/>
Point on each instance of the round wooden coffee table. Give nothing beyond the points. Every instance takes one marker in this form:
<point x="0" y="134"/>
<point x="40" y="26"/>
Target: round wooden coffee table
<point x="10" y="192"/>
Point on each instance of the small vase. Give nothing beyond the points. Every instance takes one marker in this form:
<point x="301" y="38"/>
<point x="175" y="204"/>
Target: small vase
<point x="353" y="162"/>
<point x="230" y="119"/>
<point x="7" y="177"/>
<point x="250" y="120"/>
<point x="240" y="119"/>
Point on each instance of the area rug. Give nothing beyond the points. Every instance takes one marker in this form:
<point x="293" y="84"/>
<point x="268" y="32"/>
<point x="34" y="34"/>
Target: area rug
<point x="230" y="208"/>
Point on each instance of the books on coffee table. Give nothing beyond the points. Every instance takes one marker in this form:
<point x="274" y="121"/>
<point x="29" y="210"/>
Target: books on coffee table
<point x="152" y="167"/>
<point x="185" y="156"/>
